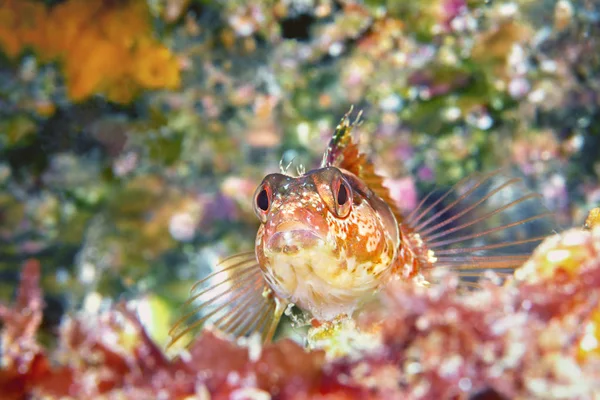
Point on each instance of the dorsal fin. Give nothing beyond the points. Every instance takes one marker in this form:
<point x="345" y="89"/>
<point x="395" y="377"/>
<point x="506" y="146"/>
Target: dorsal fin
<point x="343" y="152"/>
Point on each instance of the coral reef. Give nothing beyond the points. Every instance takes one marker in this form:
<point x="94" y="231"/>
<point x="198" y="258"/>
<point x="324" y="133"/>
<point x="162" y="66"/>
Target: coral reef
<point x="133" y="134"/>
<point x="518" y="340"/>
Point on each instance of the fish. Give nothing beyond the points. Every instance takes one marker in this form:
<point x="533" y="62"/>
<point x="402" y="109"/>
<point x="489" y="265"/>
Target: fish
<point x="332" y="237"/>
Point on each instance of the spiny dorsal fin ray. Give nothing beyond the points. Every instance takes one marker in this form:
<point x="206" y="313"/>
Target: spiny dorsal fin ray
<point x="486" y="221"/>
<point x="343" y="152"/>
<point x="235" y="300"/>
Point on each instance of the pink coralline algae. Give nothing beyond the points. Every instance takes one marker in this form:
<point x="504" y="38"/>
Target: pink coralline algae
<point x="520" y="339"/>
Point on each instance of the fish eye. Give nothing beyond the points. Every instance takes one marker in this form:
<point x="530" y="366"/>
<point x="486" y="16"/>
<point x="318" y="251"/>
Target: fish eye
<point x="262" y="200"/>
<point x="342" y="194"/>
<point x="334" y="190"/>
<point x="343" y="198"/>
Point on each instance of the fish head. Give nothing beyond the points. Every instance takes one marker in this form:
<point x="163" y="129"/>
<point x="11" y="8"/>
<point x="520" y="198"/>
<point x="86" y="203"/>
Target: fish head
<point x="325" y="239"/>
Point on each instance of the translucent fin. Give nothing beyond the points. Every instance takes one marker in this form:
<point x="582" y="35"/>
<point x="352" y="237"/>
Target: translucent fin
<point x="343" y="152"/>
<point x="487" y="221"/>
<point x="235" y="300"/>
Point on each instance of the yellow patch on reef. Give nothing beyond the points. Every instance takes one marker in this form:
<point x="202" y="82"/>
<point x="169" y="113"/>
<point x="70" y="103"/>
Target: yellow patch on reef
<point x="589" y="345"/>
<point x="593" y="219"/>
<point x="105" y="47"/>
<point x="563" y="254"/>
<point x="342" y="337"/>
<point x="155" y="315"/>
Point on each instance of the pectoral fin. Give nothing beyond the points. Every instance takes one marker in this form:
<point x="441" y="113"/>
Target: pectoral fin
<point x="235" y="300"/>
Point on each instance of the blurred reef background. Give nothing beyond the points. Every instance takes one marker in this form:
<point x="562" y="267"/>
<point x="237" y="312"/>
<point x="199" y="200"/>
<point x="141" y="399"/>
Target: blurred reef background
<point x="133" y="133"/>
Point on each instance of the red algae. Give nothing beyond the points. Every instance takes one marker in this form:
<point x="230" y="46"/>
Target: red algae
<point x="517" y="340"/>
<point x="111" y="354"/>
<point x="21" y="358"/>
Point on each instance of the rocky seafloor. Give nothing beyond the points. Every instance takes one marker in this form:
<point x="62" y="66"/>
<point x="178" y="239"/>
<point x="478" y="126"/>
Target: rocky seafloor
<point x="534" y="336"/>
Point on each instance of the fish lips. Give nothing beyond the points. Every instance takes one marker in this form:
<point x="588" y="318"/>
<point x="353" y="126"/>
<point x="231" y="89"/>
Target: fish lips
<point x="291" y="236"/>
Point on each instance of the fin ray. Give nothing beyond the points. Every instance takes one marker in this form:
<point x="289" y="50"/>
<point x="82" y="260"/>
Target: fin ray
<point x="201" y="321"/>
<point x="471" y="274"/>
<point x="236" y="318"/>
<point x="235" y="300"/>
<point x="489" y="246"/>
<point x="486" y="221"/>
<point x="463" y="212"/>
<point x="433" y="245"/>
<point x="343" y="152"/>
<point x="480" y="264"/>
<point x="237" y="278"/>
<point x="227" y="265"/>
<point x="483" y="217"/>
<point x="411" y="217"/>
<point x="417" y="222"/>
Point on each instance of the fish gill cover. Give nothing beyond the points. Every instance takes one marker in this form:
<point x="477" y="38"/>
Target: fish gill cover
<point x="133" y="134"/>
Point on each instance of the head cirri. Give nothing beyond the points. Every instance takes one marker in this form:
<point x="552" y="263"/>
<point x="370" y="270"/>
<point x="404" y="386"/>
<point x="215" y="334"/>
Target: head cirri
<point x="325" y="240"/>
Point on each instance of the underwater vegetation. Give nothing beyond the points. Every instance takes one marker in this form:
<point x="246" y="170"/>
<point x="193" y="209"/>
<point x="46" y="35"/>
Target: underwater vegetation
<point x="536" y="336"/>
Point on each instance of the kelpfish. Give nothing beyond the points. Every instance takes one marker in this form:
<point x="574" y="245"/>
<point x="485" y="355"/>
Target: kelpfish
<point x="333" y="237"/>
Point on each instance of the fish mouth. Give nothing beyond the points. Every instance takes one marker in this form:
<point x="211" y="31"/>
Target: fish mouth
<point x="291" y="236"/>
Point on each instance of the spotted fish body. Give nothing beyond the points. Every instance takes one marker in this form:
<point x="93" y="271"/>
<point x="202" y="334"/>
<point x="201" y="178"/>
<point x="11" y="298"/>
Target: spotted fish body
<point x="332" y="237"/>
